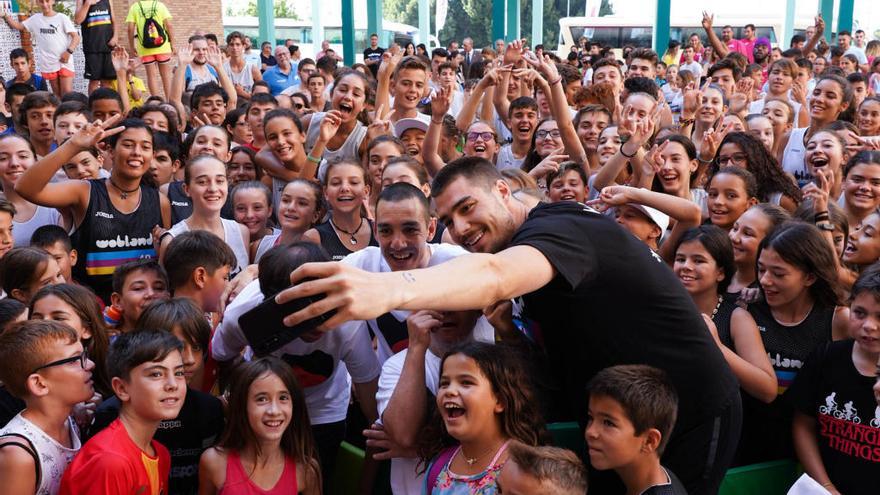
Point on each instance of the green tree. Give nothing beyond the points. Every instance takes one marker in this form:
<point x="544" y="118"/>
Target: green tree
<point x="282" y="10"/>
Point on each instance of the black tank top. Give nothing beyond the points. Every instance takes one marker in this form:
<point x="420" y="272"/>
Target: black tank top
<point x="331" y="243"/>
<point x="181" y="206"/>
<point x="107" y="238"/>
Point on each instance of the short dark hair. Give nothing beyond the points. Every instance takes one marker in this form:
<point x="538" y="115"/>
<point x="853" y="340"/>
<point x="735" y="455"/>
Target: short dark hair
<point x="749" y="26"/>
<point x="205" y="90"/>
<point x="162" y="141"/>
<point x="844" y="32"/>
<point x="7" y="207"/>
<point x="21" y="267"/>
<point x="522" y="102"/>
<point x="18" y="53"/>
<point x="717" y="243"/>
<point x="234" y="35"/>
<point x="194" y="249"/>
<point x="478" y="171"/>
<point x="103" y="93"/>
<point x="196" y="37"/>
<point x="18" y="89"/>
<point x="276" y="264"/>
<point x="326" y="64"/>
<point x="211" y="37"/>
<point x="262" y="98"/>
<point x="72" y="107"/>
<point x="439" y="52"/>
<point x="725" y="63"/>
<point x="646" y="395"/>
<point x="303" y="62"/>
<point x="644" y="85"/>
<point x="798" y="38"/>
<point x="146" y="265"/>
<point x="293" y="49"/>
<point x="410" y="62"/>
<point x="403" y="191"/>
<point x="36" y="99"/>
<point x="181" y="312"/>
<point x="132" y="349"/>
<point x="48" y="235"/>
<point x="23" y="348"/>
<point x="868" y="281"/>
<point x="644" y="54"/>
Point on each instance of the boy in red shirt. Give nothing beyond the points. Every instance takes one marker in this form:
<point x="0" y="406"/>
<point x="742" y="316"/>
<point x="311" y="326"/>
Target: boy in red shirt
<point x="148" y="379"/>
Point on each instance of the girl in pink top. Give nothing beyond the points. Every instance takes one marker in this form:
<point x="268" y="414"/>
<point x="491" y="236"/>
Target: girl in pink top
<point x="267" y="446"/>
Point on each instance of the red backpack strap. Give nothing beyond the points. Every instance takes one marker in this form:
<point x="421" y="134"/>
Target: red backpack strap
<point x="437" y="466"/>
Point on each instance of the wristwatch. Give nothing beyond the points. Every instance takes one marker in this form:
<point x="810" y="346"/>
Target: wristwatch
<point x="825" y="226"/>
<point x="70" y="51"/>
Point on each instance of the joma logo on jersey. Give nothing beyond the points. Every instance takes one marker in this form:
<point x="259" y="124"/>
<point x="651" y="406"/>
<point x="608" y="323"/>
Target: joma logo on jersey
<point x="103" y="215"/>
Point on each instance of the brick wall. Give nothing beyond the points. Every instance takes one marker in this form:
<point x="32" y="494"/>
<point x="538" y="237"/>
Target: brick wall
<point x="188" y="16"/>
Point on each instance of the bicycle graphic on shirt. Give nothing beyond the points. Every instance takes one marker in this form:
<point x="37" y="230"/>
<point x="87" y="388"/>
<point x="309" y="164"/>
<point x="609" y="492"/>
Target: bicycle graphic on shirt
<point x="848" y="413"/>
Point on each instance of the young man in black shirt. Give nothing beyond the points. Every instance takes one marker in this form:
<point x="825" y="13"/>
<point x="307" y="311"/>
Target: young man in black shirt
<point x="600" y="297"/>
<point x="373" y="55"/>
<point x="99" y="38"/>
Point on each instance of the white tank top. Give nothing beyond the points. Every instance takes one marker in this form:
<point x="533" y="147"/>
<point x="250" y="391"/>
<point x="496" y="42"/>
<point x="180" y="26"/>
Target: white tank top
<point x="22" y="231"/>
<point x="233" y="239"/>
<point x="54" y="457"/>
<point x="245" y="78"/>
<point x="266" y="243"/>
<point x="793" y="156"/>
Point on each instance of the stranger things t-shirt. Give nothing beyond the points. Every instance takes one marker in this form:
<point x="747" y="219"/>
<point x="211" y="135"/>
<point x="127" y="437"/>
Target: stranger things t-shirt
<point x="831" y="390"/>
<point x="614" y="301"/>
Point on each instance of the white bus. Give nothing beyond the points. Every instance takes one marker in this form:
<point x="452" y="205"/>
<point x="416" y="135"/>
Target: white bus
<point x="301" y="33"/>
<point x="618" y="32"/>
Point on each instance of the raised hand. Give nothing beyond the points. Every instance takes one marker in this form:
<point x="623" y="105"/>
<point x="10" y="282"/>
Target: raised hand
<point x="513" y="53"/>
<point x="94" y="132"/>
<point x="440" y="103"/>
<point x="690" y="102"/>
<point x="799" y="92"/>
<point x="612" y="196"/>
<point x="330" y="125"/>
<point x="185" y="55"/>
<point x="654" y="161"/>
<point x="381" y="123"/>
<point x="215" y="58"/>
<point x="549" y="164"/>
<point x="119" y="57"/>
<point x="712" y="140"/>
<point x="819" y="190"/>
<point x="820" y="24"/>
<point x="707" y="20"/>
<point x="420" y="325"/>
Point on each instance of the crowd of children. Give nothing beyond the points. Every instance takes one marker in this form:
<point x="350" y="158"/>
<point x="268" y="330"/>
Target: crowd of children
<point x="677" y="253"/>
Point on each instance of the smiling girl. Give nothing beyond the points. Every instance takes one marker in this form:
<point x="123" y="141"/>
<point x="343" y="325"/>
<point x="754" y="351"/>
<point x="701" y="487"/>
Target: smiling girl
<point x="114" y="217"/>
<point x="483" y="402"/>
<point x="347" y="230"/>
<point x="267" y="446"/>
<point x="301" y="207"/>
<point x="861" y="186"/>
<point x="16" y="156"/>
<point x="205" y="182"/>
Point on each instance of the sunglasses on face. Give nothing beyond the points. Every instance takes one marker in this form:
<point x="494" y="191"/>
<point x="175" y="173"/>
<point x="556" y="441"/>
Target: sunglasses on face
<point x="82" y="358"/>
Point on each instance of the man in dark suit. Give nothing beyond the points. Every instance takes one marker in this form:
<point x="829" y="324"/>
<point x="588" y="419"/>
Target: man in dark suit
<point x="470" y="57"/>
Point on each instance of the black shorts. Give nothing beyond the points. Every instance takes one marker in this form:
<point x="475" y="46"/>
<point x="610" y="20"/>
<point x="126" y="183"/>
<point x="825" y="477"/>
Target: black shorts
<point x="99" y="67"/>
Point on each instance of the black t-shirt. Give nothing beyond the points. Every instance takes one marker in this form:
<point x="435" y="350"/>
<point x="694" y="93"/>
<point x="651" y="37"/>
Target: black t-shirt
<point x="197" y="427"/>
<point x="674" y="487"/>
<point x="614" y="301"/>
<point x="269" y="61"/>
<point x="766" y="432"/>
<point x="830" y="389"/>
<point x="374" y="54"/>
<point x="97" y="28"/>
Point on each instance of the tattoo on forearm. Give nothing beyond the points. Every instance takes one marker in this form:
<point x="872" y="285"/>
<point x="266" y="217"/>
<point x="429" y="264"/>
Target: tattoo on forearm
<point x="409" y="277"/>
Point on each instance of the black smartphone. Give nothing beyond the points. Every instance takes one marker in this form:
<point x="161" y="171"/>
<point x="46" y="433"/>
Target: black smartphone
<point x="263" y="326"/>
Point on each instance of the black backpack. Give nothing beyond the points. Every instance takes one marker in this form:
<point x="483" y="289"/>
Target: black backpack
<point x="152" y="33"/>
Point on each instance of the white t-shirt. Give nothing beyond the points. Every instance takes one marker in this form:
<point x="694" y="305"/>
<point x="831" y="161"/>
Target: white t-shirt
<point x="370" y="259"/>
<point x="326" y="362"/>
<point x="50" y="35"/>
<point x="506" y="158"/>
<point x="694" y="68"/>
<point x="405" y="479"/>
<point x="22" y="231"/>
<point x="858" y="52"/>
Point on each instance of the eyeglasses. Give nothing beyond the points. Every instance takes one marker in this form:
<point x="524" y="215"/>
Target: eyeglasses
<point x="485" y="136"/>
<point x="542" y="134"/>
<point x="734" y="158"/>
<point x="298" y="106"/>
<point x="82" y="358"/>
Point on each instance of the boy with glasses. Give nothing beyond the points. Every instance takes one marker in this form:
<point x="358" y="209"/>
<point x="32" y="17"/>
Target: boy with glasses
<point x="46" y="366"/>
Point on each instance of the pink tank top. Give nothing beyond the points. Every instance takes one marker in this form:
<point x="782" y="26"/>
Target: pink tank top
<point x="238" y="482"/>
